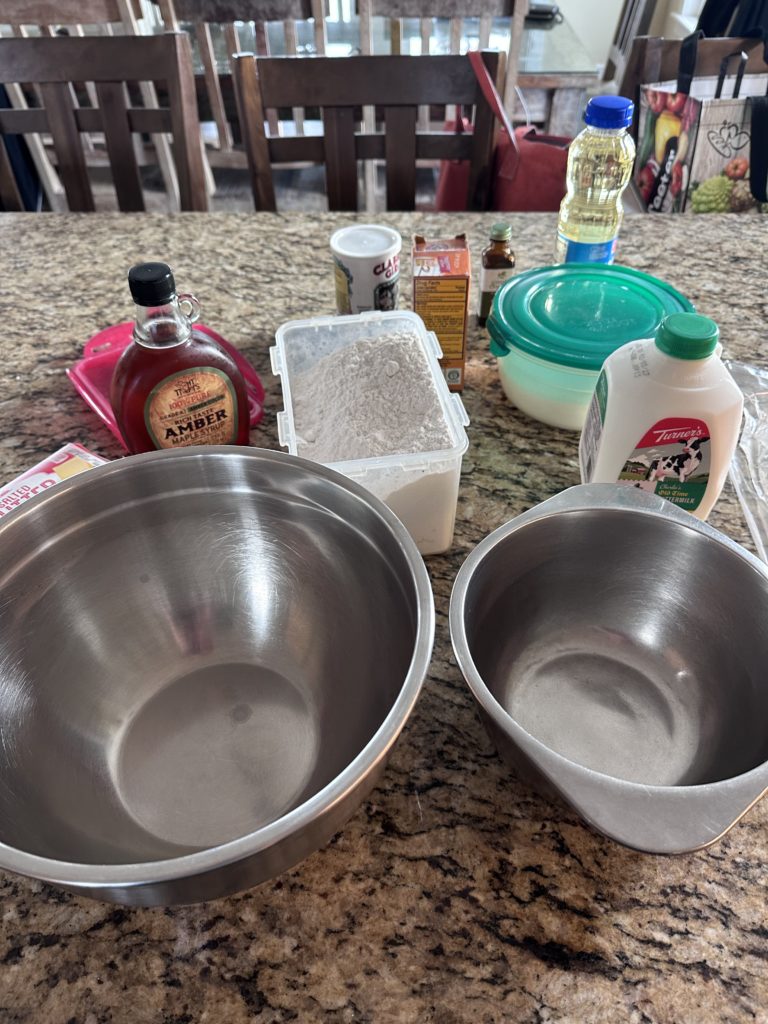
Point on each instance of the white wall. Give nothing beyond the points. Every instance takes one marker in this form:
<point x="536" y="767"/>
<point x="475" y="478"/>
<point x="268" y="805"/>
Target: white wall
<point x="594" y="22"/>
<point x="674" y="19"/>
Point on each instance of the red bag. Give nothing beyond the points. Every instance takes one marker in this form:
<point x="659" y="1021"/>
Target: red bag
<point x="528" y="168"/>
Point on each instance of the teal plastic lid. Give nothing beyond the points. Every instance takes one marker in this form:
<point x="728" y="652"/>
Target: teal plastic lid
<point x="578" y="314"/>
<point x="687" y="336"/>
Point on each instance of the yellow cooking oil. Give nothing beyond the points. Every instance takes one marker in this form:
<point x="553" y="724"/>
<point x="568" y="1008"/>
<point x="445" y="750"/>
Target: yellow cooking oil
<point x="600" y="163"/>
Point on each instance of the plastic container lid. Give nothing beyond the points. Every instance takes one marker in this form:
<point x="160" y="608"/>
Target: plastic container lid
<point x="366" y="240"/>
<point x="577" y="314"/>
<point x="687" y="336"/>
<point x="609" y="112"/>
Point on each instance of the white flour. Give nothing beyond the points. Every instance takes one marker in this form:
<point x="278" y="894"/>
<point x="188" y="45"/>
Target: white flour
<point x="370" y="398"/>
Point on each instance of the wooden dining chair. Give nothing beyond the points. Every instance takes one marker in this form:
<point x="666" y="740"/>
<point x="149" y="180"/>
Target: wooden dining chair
<point x="456" y="11"/>
<point x="338" y="86"/>
<point x="47" y="17"/>
<point x="634" y="21"/>
<point x="53" y="64"/>
<point x="425" y="12"/>
<point x="204" y="14"/>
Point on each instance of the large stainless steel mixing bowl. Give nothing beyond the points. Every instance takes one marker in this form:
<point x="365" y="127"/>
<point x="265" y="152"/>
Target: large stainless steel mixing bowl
<point x="205" y="658"/>
<point x="618" y="649"/>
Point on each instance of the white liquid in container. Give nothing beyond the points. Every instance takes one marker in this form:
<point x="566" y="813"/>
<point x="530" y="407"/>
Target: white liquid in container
<point x="665" y="416"/>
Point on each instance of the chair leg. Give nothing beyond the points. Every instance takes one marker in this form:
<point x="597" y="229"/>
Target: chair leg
<point x="321" y="37"/>
<point x="513" y="53"/>
<point x="485" y="31"/>
<point x="369" y="113"/>
<point x="455" y="47"/>
<point x="9" y="188"/>
<point x="291" y="46"/>
<point x="213" y="86"/>
<point x="426" y="37"/>
<point x="262" y="48"/>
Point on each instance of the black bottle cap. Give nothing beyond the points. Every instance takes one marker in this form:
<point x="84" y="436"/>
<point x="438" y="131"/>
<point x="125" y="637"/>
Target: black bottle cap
<point x="151" y="284"/>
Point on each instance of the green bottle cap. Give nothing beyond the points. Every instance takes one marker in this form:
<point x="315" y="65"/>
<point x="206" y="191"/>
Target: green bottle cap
<point x="501" y="232"/>
<point x="687" y="336"/>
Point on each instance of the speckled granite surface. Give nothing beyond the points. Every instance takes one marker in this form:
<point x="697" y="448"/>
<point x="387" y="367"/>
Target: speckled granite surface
<point x="455" y="894"/>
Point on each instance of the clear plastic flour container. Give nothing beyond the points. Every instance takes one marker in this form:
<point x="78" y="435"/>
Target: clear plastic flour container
<point x="421" y="487"/>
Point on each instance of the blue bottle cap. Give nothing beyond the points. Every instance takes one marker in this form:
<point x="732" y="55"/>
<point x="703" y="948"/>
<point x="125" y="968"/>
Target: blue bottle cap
<point x="609" y="112"/>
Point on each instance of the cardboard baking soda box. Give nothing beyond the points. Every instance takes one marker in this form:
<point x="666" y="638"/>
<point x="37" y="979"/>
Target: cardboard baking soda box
<point x="441" y="274"/>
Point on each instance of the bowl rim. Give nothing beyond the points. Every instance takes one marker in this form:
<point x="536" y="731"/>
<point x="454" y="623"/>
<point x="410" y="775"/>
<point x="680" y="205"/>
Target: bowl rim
<point x="142" y="874"/>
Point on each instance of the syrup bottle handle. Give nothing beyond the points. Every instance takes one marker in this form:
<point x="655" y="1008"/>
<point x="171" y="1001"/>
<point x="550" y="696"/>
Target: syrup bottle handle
<point x="189" y="306"/>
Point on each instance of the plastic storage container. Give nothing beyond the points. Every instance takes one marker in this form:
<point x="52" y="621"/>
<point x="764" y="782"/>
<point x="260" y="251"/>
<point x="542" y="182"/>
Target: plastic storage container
<point x="553" y="327"/>
<point x="421" y="488"/>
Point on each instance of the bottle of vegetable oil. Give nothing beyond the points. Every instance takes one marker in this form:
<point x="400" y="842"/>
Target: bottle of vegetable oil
<point x="600" y="162"/>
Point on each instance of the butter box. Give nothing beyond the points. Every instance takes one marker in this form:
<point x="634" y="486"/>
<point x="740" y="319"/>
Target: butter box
<point x="441" y="275"/>
<point x="66" y="462"/>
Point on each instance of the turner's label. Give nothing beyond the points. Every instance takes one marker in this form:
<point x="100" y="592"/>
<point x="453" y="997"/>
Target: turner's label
<point x="672" y="460"/>
<point x="195" y="406"/>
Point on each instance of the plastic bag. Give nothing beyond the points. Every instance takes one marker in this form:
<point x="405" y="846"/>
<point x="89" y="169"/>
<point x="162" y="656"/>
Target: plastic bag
<point x="749" y="468"/>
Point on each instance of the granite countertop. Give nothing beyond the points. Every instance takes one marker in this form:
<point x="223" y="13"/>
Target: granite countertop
<point x="455" y="893"/>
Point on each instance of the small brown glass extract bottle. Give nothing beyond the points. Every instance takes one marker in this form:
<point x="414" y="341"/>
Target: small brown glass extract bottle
<point x="498" y="264"/>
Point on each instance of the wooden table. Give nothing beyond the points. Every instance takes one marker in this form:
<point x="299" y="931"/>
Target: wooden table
<point x="455" y="894"/>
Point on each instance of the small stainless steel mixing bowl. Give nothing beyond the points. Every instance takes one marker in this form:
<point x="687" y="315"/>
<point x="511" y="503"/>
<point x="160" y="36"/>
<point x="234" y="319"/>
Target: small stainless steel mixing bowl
<point x="617" y="648"/>
<point x="205" y="658"/>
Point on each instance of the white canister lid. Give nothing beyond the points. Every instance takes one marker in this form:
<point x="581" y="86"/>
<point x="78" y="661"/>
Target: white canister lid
<point x="366" y="240"/>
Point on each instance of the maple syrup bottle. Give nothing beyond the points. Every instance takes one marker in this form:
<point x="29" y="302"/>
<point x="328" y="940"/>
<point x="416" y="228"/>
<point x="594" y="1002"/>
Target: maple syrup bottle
<point x="173" y="386"/>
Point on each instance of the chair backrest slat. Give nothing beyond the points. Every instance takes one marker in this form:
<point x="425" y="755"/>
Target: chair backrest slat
<point x="49" y="12"/>
<point x="242" y="10"/>
<point x="94" y="58"/>
<point x="119" y="141"/>
<point x="443" y="8"/>
<point x="395" y="80"/>
<point x="311" y="148"/>
<point x="400" y="133"/>
<point x="340" y="157"/>
<point x="32" y="120"/>
<point x="73" y="171"/>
